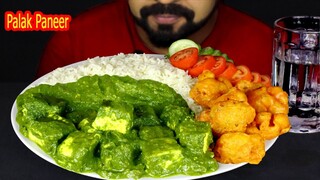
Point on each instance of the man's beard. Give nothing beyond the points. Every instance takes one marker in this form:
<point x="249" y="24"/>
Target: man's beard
<point x="164" y="36"/>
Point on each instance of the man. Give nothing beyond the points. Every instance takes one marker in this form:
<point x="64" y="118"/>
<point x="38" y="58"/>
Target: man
<point x="150" y="26"/>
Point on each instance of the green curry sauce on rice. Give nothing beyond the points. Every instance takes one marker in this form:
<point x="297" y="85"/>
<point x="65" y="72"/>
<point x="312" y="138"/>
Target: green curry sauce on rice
<point x="125" y="116"/>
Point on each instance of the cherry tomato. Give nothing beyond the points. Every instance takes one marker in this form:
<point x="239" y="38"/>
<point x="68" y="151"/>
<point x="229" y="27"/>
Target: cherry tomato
<point x="230" y="70"/>
<point x="256" y="77"/>
<point x="266" y="80"/>
<point x="205" y="62"/>
<point x="185" y="59"/>
<point x="242" y="73"/>
<point x="219" y="66"/>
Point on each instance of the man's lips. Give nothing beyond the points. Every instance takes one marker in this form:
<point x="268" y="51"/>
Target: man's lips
<point x="166" y="18"/>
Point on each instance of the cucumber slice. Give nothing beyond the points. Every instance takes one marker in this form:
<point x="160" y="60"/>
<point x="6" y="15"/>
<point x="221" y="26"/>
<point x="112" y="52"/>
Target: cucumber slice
<point x="182" y="44"/>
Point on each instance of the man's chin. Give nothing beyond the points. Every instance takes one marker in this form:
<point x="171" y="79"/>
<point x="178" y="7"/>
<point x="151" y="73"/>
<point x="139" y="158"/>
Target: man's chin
<point x="163" y="41"/>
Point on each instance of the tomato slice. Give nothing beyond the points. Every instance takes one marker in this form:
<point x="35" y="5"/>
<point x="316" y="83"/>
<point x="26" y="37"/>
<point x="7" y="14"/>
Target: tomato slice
<point x="205" y="62"/>
<point x="219" y="66"/>
<point x="242" y="73"/>
<point x="230" y="70"/>
<point x="266" y="80"/>
<point x="256" y="77"/>
<point x="185" y="59"/>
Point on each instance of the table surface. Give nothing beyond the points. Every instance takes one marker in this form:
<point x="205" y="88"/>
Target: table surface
<point x="293" y="156"/>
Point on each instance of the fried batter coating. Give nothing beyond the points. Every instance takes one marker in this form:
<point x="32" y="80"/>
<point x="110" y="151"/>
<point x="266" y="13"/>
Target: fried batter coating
<point x="232" y="94"/>
<point x="271" y="104"/>
<point x="239" y="147"/>
<point x="230" y="116"/>
<point x="242" y="116"/>
<point x="268" y="125"/>
<point x="245" y="85"/>
<point x="206" y="74"/>
<point x="204" y="116"/>
<point x="279" y="94"/>
<point x="208" y="88"/>
<point x="271" y="99"/>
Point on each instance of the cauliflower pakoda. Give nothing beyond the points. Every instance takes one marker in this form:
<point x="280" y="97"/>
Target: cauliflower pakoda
<point x="245" y="85"/>
<point x="232" y="94"/>
<point x="239" y="147"/>
<point x="242" y="116"/>
<point x="271" y="99"/>
<point x="271" y="105"/>
<point x="208" y="88"/>
<point x="230" y="116"/>
<point x="269" y="125"/>
<point x="204" y="116"/>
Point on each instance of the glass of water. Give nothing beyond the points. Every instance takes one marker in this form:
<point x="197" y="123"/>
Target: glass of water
<point x="296" y="68"/>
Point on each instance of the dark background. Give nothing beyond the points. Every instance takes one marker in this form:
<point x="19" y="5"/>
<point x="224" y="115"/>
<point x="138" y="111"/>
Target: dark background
<point x="21" y="51"/>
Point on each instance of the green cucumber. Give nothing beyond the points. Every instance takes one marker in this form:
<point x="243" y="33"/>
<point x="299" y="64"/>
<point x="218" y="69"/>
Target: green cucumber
<point x="187" y="43"/>
<point x="182" y="44"/>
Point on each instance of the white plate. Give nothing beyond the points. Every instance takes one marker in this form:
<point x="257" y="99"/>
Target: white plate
<point x="35" y="149"/>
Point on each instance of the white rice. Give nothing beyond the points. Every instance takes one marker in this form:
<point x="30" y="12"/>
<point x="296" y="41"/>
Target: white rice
<point x="137" y="66"/>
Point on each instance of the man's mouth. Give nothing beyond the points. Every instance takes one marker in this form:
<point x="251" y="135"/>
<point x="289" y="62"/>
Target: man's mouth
<point x="166" y="18"/>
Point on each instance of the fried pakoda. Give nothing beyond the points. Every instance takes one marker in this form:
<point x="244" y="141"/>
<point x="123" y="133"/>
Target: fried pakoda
<point x="239" y="147"/>
<point x="271" y="99"/>
<point x="206" y="74"/>
<point x="208" y="88"/>
<point x="232" y="94"/>
<point x="204" y="116"/>
<point x="272" y="109"/>
<point x="245" y="85"/>
<point x="269" y="125"/>
<point x="242" y="116"/>
<point x="230" y="116"/>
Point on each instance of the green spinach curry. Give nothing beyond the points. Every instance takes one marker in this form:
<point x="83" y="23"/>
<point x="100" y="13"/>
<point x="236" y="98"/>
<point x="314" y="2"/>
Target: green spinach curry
<point x="117" y="127"/>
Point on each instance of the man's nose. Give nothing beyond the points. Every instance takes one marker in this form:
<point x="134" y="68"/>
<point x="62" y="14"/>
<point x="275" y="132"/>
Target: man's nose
<point x="167" y="1"/>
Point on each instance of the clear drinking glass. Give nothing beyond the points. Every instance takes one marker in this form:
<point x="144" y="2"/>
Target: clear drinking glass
<point x="296" y="59"/>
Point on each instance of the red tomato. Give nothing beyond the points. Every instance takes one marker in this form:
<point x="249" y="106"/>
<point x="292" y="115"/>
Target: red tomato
<point x="219" y="66"/>
<point x="230" y="70"/>
<point x="205" y="62"/>
<point x="185" y="58"/>
<point x="242" y="73"/>
<point x="256" y="77"/>
<point x="266" y="80"/>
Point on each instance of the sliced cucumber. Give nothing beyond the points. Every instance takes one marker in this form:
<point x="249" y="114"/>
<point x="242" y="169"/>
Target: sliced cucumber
<point x="182" y="44"/>
<point x="187" y="43"/>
